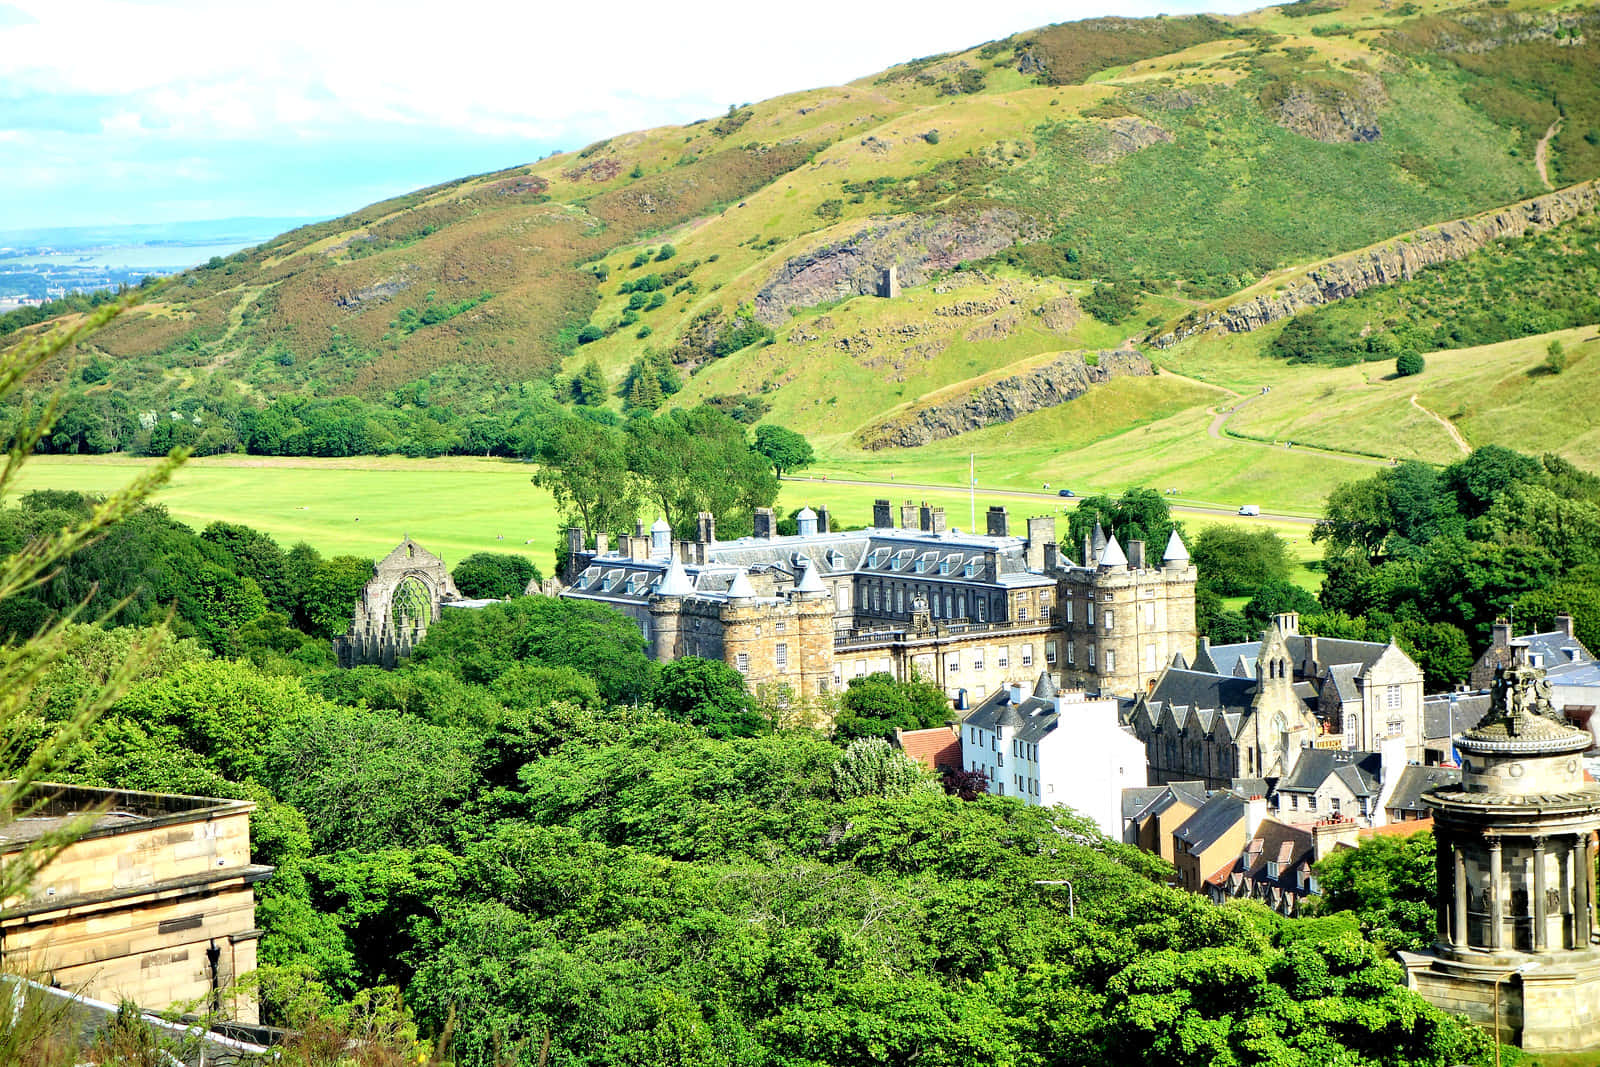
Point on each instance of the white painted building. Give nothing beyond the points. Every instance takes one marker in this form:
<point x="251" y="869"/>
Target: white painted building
<point x="1053" y="747"/>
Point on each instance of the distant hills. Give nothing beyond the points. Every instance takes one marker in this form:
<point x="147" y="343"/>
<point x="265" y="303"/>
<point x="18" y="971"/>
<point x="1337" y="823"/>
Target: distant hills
<point x="1073" y="189"/>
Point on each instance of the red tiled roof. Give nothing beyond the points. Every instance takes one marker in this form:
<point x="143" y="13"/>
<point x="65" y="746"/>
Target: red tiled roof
<point x="937" y="747"/>
<point x="1396" y="829"/>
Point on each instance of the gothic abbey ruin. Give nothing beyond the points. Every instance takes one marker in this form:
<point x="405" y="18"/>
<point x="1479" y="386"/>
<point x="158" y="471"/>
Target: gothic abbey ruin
<point x="396" y="608"/>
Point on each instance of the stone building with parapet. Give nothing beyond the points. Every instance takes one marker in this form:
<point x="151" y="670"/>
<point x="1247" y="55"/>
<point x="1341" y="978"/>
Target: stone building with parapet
<point x="153" y="900"/>
<point x="399" y="603"/>
<point x="908" y="596"/>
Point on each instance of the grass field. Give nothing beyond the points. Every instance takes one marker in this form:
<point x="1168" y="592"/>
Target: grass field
<point x="459" y="506"/>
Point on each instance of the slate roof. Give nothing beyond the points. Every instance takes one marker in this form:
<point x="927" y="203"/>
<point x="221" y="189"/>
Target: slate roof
<point x="1358" y="770"/>
<point x="1555" y="648"/>
<point x="1223" y="659"/>
<point x="1251" y="787"/>
<point x="1415" y="781"/>
<point x="1198" y="689"/>
<point x="1240" y="658"/>
<point x="1032" y="719"/>
<point x="1136" y="799"/>
<point x="1162" y="797"/>
<point x="1214" y="818"/>
<point x="1448" y="714"/>
<point x="1276" y="842"/>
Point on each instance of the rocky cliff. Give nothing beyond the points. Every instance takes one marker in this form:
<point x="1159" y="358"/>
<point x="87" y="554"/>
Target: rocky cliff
<point x="1065" y="378"/>
<point x="1393" y="262"/>
<point x="917" y="245"/>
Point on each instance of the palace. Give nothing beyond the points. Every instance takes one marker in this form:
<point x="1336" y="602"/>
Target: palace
<point x="969" y="612"/>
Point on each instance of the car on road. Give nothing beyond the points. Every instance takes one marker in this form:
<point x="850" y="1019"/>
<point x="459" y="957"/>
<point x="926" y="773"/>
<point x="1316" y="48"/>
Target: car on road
<point x="1066" y="492"/>
<point x="1249" y="509"/>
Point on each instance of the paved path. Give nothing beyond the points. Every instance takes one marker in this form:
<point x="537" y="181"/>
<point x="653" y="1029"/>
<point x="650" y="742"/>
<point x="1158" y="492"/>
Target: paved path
<point x="1449" y="427"/>
<point x="1541" y="152"/>
<point x="1222" y="415"/>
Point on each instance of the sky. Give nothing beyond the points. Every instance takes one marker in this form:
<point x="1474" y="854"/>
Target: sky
<point x="146" y="111"/>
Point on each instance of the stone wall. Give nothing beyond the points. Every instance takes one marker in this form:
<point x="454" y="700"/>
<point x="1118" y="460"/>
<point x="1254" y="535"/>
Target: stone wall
<point x="1066" y="378"/>
<point x="916" y="245"/>
<point x="1394" y="261"/>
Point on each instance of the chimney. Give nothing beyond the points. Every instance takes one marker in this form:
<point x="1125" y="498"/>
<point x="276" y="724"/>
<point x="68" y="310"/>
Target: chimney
<point x="1136" y="555"/>
<point x="638" y="528"/>
<point x="1501" y="632"/>
<point x="1254" y="814"/>
<point x="1313" y="665"/>
<point x="602" y="543"/>
<point x="1016" y="692"/>
<point x="685" y="551"/>
<point x="908" y="516"/>
<point x="938" y="520"/>
<point x="999" y="523"/>
<point x="991" y="565"/>
<point x="1088" y="551"/>
<point x="1052" y="555"/>
<point x="1391" y="765"/>
<point x="574" y="540"/>
<point x="925" y="518"/>
<point x="765" y="525"/>
<point x="638" y="546"/>
<point x="1564" y="623"/>
<point x="705" y="528"/>
<point x="882" y="514"/>
<point x="824" y="523"/>
<point x="1287" y="622"/>
<point x="1041" y="530"/>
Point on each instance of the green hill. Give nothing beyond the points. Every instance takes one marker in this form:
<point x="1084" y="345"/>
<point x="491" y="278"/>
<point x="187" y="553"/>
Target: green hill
<point x="1066" y="190"/>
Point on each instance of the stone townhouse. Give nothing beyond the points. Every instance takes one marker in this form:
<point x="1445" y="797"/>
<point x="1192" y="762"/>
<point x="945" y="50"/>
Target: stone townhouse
<point x="970" y="612"/>
<point x="1052" y="747"/>
<point x="1151" y="814"/>
<point x="1360" y="691"/>
<point x="1213" y="836"/>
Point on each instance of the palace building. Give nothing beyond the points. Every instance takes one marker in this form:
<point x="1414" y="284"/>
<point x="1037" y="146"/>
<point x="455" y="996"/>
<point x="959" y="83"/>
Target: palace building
<point x="970" y="612"/>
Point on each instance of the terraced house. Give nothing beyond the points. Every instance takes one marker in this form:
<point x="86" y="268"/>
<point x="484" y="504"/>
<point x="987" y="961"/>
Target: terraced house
<point x="971" y="612"/>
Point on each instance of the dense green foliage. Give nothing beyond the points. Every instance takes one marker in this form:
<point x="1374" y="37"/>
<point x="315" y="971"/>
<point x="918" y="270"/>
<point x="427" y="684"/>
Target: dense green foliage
<point x="1137" y="515"/>
<point x="875" y="705"/>
<point x="1389" y="884"/>
<point x="1235" y="560"/>
<point x="1512" y="288"/>
<point x="494" y="575"/>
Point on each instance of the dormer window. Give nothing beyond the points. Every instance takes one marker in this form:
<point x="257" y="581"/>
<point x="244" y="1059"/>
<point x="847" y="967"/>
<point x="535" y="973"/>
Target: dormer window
<point x="588" y="577"/>
<point x="1272" y="868"/>
<point x="612" y="580"/>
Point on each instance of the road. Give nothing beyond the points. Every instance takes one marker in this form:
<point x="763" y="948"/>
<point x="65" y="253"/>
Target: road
<point x="1181" y="509"/>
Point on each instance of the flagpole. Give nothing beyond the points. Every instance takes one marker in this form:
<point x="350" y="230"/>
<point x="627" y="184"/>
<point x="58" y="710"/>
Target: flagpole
<point x="972" y="488"/>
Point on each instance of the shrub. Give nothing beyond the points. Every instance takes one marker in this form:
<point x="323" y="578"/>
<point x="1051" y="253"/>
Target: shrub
<point x="640" y="260"/>
<point x="1408" y="363"/>
<point x="666" y="253"/>
<point x="829" y="209"/>
<point x="636" y="172"/>
<point x="932" y="137"/>
<point x="590" y="334"/>
<point x="1555" y="358"/>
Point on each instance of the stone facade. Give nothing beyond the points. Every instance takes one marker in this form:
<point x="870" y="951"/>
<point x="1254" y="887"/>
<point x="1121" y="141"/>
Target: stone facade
<point x="396" y="608"/>
<point x="155" y="903"/>
<point x="969" y="612"/>
<point x="1516" y="948"/>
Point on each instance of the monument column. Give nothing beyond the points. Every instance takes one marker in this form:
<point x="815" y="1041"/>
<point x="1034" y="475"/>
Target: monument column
<point x="1582" y="884"/>
<point x="1537" y="911"/>
<point x="1496" y="887"/>
<point x="1458" y="936"/>
<point x="1569" y="921"/>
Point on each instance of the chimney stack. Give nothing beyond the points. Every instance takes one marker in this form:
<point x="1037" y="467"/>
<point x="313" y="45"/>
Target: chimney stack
<point x="1501" y="632"/>
<point x="1255" y="815"/>
<point x="824" y="523"/>
<point x="1041" y="531"/>
<point x="1564" y="623"/>
<point x="602" y="543"/>
<point x="938" y="520"/>
<point x="1136" y="555"/>
<point x="706" y="528"/>
<point x="574" y="540"/>
<point x="925" y="518"/>
<point x="908" y="516"/>
<point x="999" y="525"/>
<point x="882" y="514"/>
<point x="765" y="525"/>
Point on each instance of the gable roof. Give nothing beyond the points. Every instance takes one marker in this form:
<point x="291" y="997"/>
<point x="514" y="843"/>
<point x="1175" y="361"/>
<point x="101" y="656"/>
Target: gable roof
<point x="1196" y="689"/>
<point x="1445" y="715"/>
<point x="1414" y="781"/>
<point x="1358" y="771"/>
<point x="1211" y="820"/>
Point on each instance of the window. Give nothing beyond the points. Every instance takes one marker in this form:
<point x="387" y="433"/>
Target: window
<point x="982" y="606"/>
<point x="842" y="597"/>
<point x="1311" y="803"/>
<point x="1151" y="660"/>
<point x="1294" y="801"/>
<point x="977" y="660"/>
<point x="1003" y="657"/>
<point x="900" y="600"/>
<point x="1397" y="727"/>
<point x="1044" y="613"/>
<point x="1091" y="655"/>
<point x="947" y="612"/>
<point x="1111" y="618"/>
<point x="1334" y="804"/>
<point x="961" y="606"/>
<point x="1272" y="868"/>
<point x="780" y="657"/>
<point x="1027" y="655"/>
<point x="1022" y="613"/>
<point x="1111" y="660"/>
<point x="1002" y="787"/>
<point x="741" y="663"/>
<point x="999" y="759"/>
<point x="1068" y="608"/>
<point x="1044" y="596"/>
<point x="1050" y="653"/>
<point x="1090" y="616"/>
<point x="1072" y="653"/>
<point x="1392" y="696"/>
<point x="1107" y="598"/>
<point x="952" y="663"/>
<point x="1150" y="615"/>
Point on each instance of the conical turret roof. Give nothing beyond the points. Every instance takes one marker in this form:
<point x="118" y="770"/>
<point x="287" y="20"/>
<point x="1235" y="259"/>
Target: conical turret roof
<point x="1010" y="717"/>
<point x="1098" y="540"/>
<point x="1113" y="556"/>
<point x="741" y="589"/>
<point x="1176" y="551"/>
<point x="810" y="581"/>
<point x="1045" y="688"/>
<point x="676" y="582"/>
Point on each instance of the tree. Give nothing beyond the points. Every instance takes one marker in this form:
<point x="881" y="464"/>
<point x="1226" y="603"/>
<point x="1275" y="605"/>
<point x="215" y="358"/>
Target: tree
<point x="1137" y="515"/>
<point x="332" y="590"/>
<point x="1357" y="518"/>
<point x="871" y="767"/>
<point x="876" y="705"/>
<point x="709" y="694"/>
<point x="493" y="575"/>
<point x="1555" y="358"/>
<point x="1388" y="883"/>
<point x="786" y="450"/>
<point x="697" y="460"/>
<point x="1409" y="363"/>
<point x="1479" y="479"/>
<point x="1276" y="598"/>
<point x="585" y="467"/>
<point x="589" y="386"/>
<point x="1236" y="560"/>
<point x="1439" y="648"/>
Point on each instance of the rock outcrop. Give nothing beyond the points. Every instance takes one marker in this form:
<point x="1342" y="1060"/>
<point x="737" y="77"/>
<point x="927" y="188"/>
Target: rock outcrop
<point x="1395" y="261"/>
<point x="917" y="245"/>
<point x="1334" y="118"/>
<point x="1065" y="378"/>
<point x="1123" y="137"/>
